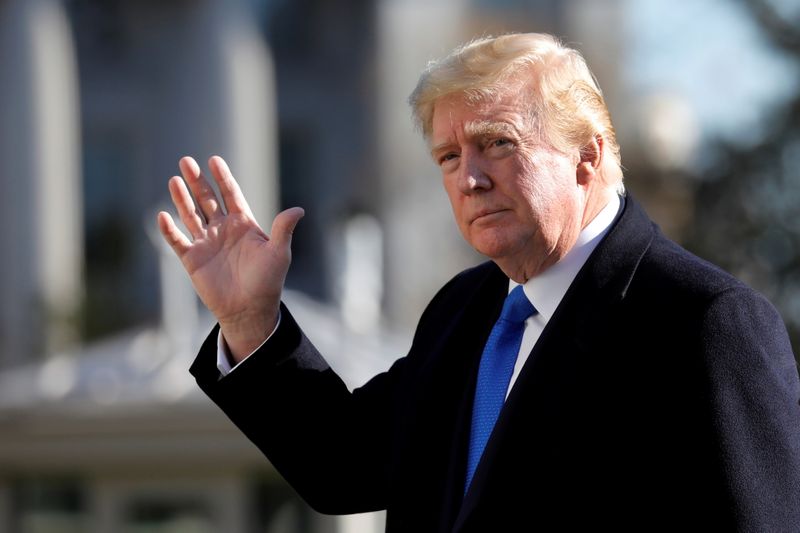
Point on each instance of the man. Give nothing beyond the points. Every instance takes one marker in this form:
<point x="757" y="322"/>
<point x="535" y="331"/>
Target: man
<point x="626" y="385"/>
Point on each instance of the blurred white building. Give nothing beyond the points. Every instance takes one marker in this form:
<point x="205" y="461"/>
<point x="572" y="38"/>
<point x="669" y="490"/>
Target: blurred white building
<point x="116" y="437"/>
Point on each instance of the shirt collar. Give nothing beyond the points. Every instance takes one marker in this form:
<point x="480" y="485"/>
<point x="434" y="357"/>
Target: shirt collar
<point x="546" y="290"/>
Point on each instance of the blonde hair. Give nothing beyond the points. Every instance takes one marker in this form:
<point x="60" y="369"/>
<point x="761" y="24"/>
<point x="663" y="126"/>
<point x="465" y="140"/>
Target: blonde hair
<point x="567" y="106"/>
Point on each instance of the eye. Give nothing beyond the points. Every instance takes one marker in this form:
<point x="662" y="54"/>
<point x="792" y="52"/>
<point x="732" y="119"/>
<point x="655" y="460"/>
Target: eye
<point x="500" y="142"/>
<point x="449" y="156"/>
<point x="500" y="146"/>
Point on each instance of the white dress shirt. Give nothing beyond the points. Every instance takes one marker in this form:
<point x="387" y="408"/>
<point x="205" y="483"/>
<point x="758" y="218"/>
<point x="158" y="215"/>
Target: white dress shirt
<point x="545" y="291"/>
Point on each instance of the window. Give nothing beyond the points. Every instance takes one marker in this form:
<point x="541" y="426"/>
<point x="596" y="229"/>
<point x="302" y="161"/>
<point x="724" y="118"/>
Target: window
<point x="42" y="505"/>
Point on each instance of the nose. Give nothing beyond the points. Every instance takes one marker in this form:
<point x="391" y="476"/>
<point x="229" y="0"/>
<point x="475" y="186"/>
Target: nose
<point x="473" y="176"/>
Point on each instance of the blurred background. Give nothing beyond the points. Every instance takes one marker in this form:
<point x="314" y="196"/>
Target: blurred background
<point x="101" y="427"/>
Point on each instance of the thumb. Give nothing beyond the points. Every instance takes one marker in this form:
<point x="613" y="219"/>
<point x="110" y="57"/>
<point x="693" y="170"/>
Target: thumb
<point x="284" y="224"/>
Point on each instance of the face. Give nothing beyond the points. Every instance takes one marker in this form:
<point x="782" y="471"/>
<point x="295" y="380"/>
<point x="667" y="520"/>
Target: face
<point x="516" y="199"/>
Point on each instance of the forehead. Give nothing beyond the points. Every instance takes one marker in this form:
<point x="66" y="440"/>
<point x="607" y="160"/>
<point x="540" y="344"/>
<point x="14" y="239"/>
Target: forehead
<point x="456" y="115"/>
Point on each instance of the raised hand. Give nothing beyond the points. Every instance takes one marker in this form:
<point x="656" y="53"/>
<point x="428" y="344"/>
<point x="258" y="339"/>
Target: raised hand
<point x="237" y="270"/>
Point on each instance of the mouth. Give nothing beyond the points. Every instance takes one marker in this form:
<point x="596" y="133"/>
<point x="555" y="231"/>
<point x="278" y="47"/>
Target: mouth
<point x="486" y="215"/>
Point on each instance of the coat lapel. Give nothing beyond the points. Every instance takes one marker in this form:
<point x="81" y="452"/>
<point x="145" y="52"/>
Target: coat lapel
<point x="480" y="315"/>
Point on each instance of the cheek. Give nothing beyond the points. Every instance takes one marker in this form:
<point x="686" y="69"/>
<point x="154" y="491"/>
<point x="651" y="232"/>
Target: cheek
<point x="549" y="175"/>
<point x="450" y="190"/>
<point x="546" y="191"/>
<point x="535" y="188"/>
<point x="456" y="199"/>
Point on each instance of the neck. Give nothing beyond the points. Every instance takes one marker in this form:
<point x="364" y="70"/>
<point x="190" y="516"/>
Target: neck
<point x="521" y="269"/>
<point x="595" y="203"/>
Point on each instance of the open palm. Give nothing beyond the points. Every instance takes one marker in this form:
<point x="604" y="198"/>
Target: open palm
<point x="237" y="270"/>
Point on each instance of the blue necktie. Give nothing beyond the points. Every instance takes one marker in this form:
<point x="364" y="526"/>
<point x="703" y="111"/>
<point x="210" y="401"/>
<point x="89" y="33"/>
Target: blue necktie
<point x="494" y="373"/>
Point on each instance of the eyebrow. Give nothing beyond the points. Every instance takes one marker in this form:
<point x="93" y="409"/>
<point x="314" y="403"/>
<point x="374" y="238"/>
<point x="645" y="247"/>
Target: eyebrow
<point x="480" y="128"/>
<point x="488" y="128"/>
<point x="439" y="147"/>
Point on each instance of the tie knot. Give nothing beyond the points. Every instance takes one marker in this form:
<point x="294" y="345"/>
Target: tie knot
<point x="517" y="307"/>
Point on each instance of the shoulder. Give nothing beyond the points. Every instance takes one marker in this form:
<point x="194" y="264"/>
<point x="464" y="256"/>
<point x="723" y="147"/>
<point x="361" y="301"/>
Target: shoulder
<point x="478" y="286"/>
<point x="674" y="285"/>
<point x="486" y="272"/>
<point x="658" y="263"/>
<point x="671" y="262"/>
<point x="468" y="283"/>
<point x="681" y="288"/>
<point x="698" y="312"/>
<point x="669" y="270"/>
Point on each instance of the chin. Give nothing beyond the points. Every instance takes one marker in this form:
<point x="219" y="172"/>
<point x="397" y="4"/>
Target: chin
<point x="494" y="243"/>
<point x="492" y="250"/>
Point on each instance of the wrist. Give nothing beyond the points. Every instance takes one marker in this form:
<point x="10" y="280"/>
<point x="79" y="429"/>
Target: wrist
<point x="244" y="336"/>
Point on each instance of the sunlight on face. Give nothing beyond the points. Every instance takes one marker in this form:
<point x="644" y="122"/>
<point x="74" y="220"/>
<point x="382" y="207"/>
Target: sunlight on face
<point x="514" y="197"/>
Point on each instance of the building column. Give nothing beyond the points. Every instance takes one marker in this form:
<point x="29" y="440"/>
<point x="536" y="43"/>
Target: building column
<point x="361" y="523"/>
<point x="5" y="506"/>
<point x="104" y="506"/>
<point x="40" y="209"/>
<point x="221" y="98"/>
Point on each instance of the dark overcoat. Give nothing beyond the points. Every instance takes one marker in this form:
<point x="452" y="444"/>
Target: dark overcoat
<point x="662" y="396"/>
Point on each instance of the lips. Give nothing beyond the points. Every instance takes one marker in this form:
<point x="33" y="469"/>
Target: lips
<point x="486" y="214"/>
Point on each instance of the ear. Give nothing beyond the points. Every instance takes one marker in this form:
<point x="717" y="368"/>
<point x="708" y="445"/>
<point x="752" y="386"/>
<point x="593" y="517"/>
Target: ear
<point x="591" y="158"/>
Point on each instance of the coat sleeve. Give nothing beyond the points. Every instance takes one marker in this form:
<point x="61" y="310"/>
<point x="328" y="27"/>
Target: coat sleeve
<point x="755" y="397"/>
<point x="332" y="446"/>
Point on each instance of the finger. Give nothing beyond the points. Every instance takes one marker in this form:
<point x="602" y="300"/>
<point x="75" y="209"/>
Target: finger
<point x="174" y="236"/>
<point x="232" y="196"/>
<point x="284" y="224"/>
<point x="206" y="198"/>
<point x="185" y="206"/>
